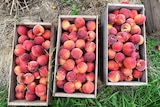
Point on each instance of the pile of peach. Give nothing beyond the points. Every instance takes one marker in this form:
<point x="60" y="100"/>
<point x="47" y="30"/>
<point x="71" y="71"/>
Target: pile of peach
<point x="76" y="56"/>
<point x="32" y="55"/>
<point x="124" y="39"/>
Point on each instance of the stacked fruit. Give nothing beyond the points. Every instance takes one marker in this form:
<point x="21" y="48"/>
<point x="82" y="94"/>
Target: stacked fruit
<point x="76" y="56"/>
<point x="32" y="56"/>
<point x="124" y="39"/>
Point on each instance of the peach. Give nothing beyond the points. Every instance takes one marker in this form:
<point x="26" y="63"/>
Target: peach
<point x="31" y="87"/>
<point x="24" y="67"/>
<point x="43" y="97"/>
<point x="126" y="71"/>
<point x="19" y="46"/>
<point x="17" y="70"/>
<point x="72" y="36"/>
<point x="82" y="67"/>
<point x="61" y="61"/>
<point x="158" y="47"/>
<point x="65" y="24"/>
<point x="69" y="87"/>
<point x="126" y="12"/>
<point x="114" y="76"/>
<point x="25" y="57"/>
<point x="43" y="80"/>
<point x="19" y="51"/>
<point x="38" y="29"/>
<point x="121" y="76"/>
<point x="77" y="84"/>
<point x="60" y="83"/>
<point x="33" y="66"/>
<point x="38" y="40"/>
<point x="20" y="78"/>
<point x="141" y="40"/>
<point x="46" y="34"/>
<point x="81" y="77"/>
<point x="22" y="30"/>
<point x="109" y="26"/>
<point x="69" y="44"/>
<point x="135" y="55"/>
<point x="36" y="75"/>
<point x="76" y="53"/>
<point x="133" y="13"/>
<point x="90" y="76"/>
<point x="22" y="38"/>
<point x="82" y="34"/>
<point x="129" y="62"/>
<point x="90" y="46"/>
<point x="71" y="76"/>
<point x="43" y="70"/>
<point x="72" y="28"/>
<point x="128" y="78"/>
<point x="61" y="74"/>
<point x="28" y="44"/>
<point x="118" y="27"/>
<point x="30" y="34"/>
<point x="81" y="59"/>
<point x="119" y="57"/>
<point x="80" y="43"/>
<point x="33" y="58"/>
<point x="42" y="60"/>
<point x="112" y="39"/>
<point x="135" y="29"/>
<point x="64" y="53"/>
<point x="125" y="27"/>
<point x="137" y="74"/>
<point x="83" y="28"/>
<point x="112" y="30"/>
<point x="141" y="64"/>
<point x="37" y="50"/>
<point x="112" y="65"/>
<point x="46" y="44"/>
<point x="69" y="65"/>
<point x="130" y="21"/>
<point x="137" y="39"/>
<point x="116" y="12"/>
<point x="40" y="90"/>
<point x="117" y="46"/>
<point x="91" y="35"/>
<point x="89" y="56"/>
<point x="19" y="95"/>
<point x="17" y="61"/>
<point x="20" y="88"/>
<point x="140" y="19"/>
<point x="79" y="22"/>
<point x="88" y="87"/>
<point x="124" y="2"/>
<point x="28" y="78"/>
<point x="128" y="48"/>
<point x="120" y="19"/>
<point x="90" y="66"/>
<point x="91" y="25"/>
<point x="30" y="96"/>
<point x="64" y="37"/>
<point x="111" y="18"/>
<point x="122" y="36"/>
<point x="75" y="70"/>
<point x="111" y="53"/>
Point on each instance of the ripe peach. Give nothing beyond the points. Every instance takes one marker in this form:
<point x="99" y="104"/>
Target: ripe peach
<point x="125" y="27"/>
<point x="19" y="95"/>
<point x="79" y="22"/>
<point x="17" y="61"/>
<point x="61" y="61"/>
<point x="64" y="53"/>
<point x="64" y="37"/>
<point x="130" y="21"/>
<point x="46" y="44"/>
<point x="135" y="55"/>
<point x="120" y="19"/>
<point x="30" y="96"/>
<point x="122" y="36"/>
<point x="137" y="74"/>
<point x="91" y="35"/>
<point x="119" y="57"/>
<point x="69" y="44"/>
<point x="80" y="43"/>
<point x="37" y="50"/>
<point x="118" y="27"/>
<point x="24" y="67"/>
<point x="72" y="36"/>
<point x="31" y="87"/>
<point x="69" y="65"/>
<point x="81" y="77"/>
<point x="112" y="39"/>
<point x="76" y="53"/>
<point x="46" y="34"/>
<point x="40" y="90"/>
<point x="42" y="60"/>
<point x="116" y="12"/>
<point x="90" y="76"/>
<point x="71" y="76"/>
<point x="25" y="57"/>
<point x="20" y="88"/>
<point x="43" y="80"/>
<point x="28" y="78"/>
<point x="91" y="25"/>
<point x="28" y="44"/>
<point x="61" y="73"/>
<point x="135" y="29"/>
<point x="77" y="84"/>
<point x="89" y="56"/>
<point x="90" y="46"/>
<point x="112" y="30"/>
<point x="128" y="48"/>
<point x="121" y="76"/>
<point x="109" y="26"/>
<point x="82" y="34"/>
<point x="17" y="70"/>
<point x="126" y="71"/>
<point x="38" y="40"/>
<point x="22" y="30"/>
<point x="158" y="47"/>
<point x="81" y="59"/>
<point x="65" y="24"/>
<point x="88" y="87"/>
<point x="75" y="70"/>
<point x="117" y="46"/>
<point x="128" y="78"/>
<point x="129" y="62"/>
<point x="141" y="64"/>
<point x="30" y="34"/>
<point x="20" y="78"/>
<point x="33" y="58"/>
<point x="114" y="76"/>
<point x="43" y="97"/>
<point x="112" y="65"/>
<point x="111" y="53"/>
<point x="140" y="19"/>
<point x="38" y="29"/>
<point x="111" y="18"/>
<point x="43" y="70"/>
<point x="72" y="28"/>
<point x="36" y="75"/>
<point x="83" y="28"/>
<point x="126" y="12"/>
<point x="82" y="67"/>
<point x="133" y="13"/>
<point x="69" y="87"/>
<point x="33" y="66"/>
<point x="60" y="83"/>
<point x="90" y="66"/>
<point x="22" y="38"/>
<point x="19" y="51"/>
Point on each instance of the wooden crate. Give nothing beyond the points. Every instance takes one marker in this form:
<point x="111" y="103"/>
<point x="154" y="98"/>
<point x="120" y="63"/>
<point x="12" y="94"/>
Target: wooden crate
<point x="12" y="101"/>
<point x="142" y="48"/>
<point x="57" y="92"/>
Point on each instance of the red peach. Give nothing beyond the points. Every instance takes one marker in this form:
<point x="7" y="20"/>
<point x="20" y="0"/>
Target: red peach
<point x="40" y="90"/>
<point x="17" y="70"/>
<point x="22" y="30"/>
<point x="77" y="84"/>
<point x="118" y="27"/>
<point x="90" y="46"/>
<point x="69" y="87"/>
<point x="112" y="65"/>
<point x="82" y="67"/>
<point x="61" y="74"/>
<point x="130" y="21"/>
<point x="37" y="50"/>
<point x="33" y="58"/>
<point x="116" y="12"/>
<point x="71" y="76"/>
<point x="43" y="70"/>
<point x="122" y="36"/>
<point x="89" y="56"/>
<point x="69" y="44"/>
<point x="42" y="60"/>
<point x="46" y="44"/>
<point x="88" y="87"/>
<point x="43" y="97"/>
<point x="31" y="87"/>
<point x="90" y="76"/>
<point x="30" y="34"/>
<point x="135" y="29"/>
<point x="22" y="38"/>
<point x="60" y="83"/>
<point x="79" y="22"/>
<point x="91" y="35"/>
<point x="30" y="96"/>
<point x="90" y="66"/>
<point x="75" y="70"/>
<point x="72" y="28"/>
<point x="76" y="53"/>
<point x="46" y="34"/>
<point x="117" y="46"/>
<point x="38" y="40"/>
<point x="91" y="25"/>
<point x="81" y="59"/>
<point x="28" y="44"/>
<point x="111" y="18"/>
<point x="64" y="37"/>
<point x="25" y="57"/>
<point x="111" y="53"/>
<point x="114" y="76"/>
<point x="83" y="28"/>
<point x="72" y="36"/>
<point x="140" y="19"/>
<point x="61" y="61"/>
<point x="80" y="43"/>
<point x="28" y="78"/>
<point x="158" y="47"/>
<point x="20" y="78"/>
<point x="17" y="61"/>
<point x="120" y="19"/>
<point x="69" y="65"/>
<point x="19" y="51"/>
<point x="38" y="29"/>
<point x="112" y="39"/>
<point x="126" y="12"/>
<point x="133" y="13"/>
<point x="19" y="95"/>
<point x="81" y="77"/>
<point x="129" y="62"/>
<point x="137" y="73"/>
<point x="135" y="55"/>
<point x="82" y="34"/>
<point x="128" y="48"/>
<point x="65" y="24"/>
<point x="128" y="78"/>
<point x="126" y="71"/>
<point x="64" y="53"/>
<point x="141" y="64"/>
<point x="43" y="80"/>
<point x="33" y="66"/>
<point x="125" y="27"/>
<point x="20" y="88"/>
<point x="119" y="57"/>
<point x="24" y="67"/>
<point x="36" y="75"/>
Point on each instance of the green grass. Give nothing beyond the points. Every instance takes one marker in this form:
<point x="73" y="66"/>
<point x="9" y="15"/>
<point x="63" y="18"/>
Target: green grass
<point x="141" y="96"/>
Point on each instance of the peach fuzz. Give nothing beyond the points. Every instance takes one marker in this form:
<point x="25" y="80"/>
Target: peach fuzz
<point x="24" y="67"/>
<point x="137" y="74"/>
<point x="30" y="34"/>
<point x="88" y="87"/>
<point x="43" y="71"/>
<point x="38" y="29"/>
<point x="130" y="21"/>
<point x="122" y="36"/>
<point x="81" y="77"/>
<point x="82" y="34"/>
<point x="112" y="39"/>
<point x="25" y="57"/>
<point x="140" y="19"/>
<point x="40" y="90"/>
<point x="30" y="96"/>
<point x="69" y="65"/>
<point x="64" y="37"/>
<point x="120" y="19"/>
<point x="90" y="66"/>
<point x="80" y="43"/>
<point x="46" y="34"/>
<point x="64" y="53"/>
<point x="60" y="83"/>
<point x="128" y="78"/>
<point x="17" y="70"/>
<point x="22" y="30"/>
<point x="28" y="78"/>
<point x="77" y="84"/>
<point x="27" y="44"/>
<point x="61" y="74"/>
<point x="22" y="38"/>
<point x="90" y="76"/>
<point x="82" y="67"/>
<point x="114" y="76"/>
<point x="111" y="53"/>
<point x="126" y="71"/>
<point x="128" y="48"/>
<point x="91" y="35"/>
<point x="43" y="80"/>
<point x="79" y="22"/>
<point x="72" y="28"/>
<point x="119" y="57"/>
<point x="37" y="50"/>
<point x="111" y="18"/>
<point x="31" y="87"/>
<point x="125" y="27"/>
<point x="117" y="46"/>
<point x="43" y="97"/>
<point x="19" y="95"/>
<point x="33" y="66"/>
<point x="71" y="76"/>
<point x="72" y="36"/>
<point x="69" y="44"/>
<point x="130" y="62"/>
<point x="38" y="40"/>
<point x="133" y="13"/>
<point x="90" y="46"/>
<point x="112" y="65"/>
<point x="61" y="61"/>
<point x="112" y="30"/>
<point x="89" y="56"/>
<point x="19" y="51"/>
<point x="141" y="64"/>
<point x="20" y="88"/>
<point x="126" y="12"/>
<point x="135" y="29"/>
<point x="91" y="25"/>
<point x="69" y="87"/>
<point x="46" y="44"/>
<point x="76" y="53"/>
